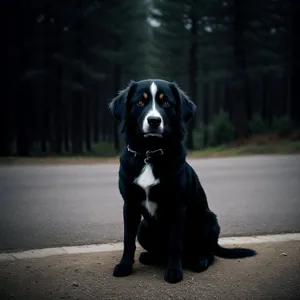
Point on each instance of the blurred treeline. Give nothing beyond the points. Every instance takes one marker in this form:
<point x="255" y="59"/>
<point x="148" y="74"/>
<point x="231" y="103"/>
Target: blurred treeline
<point x="64" y="60"/>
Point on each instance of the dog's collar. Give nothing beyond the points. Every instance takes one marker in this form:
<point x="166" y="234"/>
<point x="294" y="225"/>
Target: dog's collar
<point x="148" y="155"/>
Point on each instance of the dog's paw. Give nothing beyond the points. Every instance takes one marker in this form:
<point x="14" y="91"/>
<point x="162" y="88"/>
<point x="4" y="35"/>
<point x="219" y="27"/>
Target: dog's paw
<point x="122" y="270"/>
<point x="173" y="275"/>
<point x="146" y="258"/>
<point x="201" y="264"/>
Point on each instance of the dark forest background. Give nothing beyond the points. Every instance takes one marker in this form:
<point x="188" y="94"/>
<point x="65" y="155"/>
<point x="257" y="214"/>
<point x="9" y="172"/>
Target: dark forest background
<point x="63" y="61"/>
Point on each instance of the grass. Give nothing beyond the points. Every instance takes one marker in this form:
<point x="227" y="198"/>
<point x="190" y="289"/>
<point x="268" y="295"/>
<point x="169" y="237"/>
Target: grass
<point x="248" y="149"/>
<point x="58" y="160"/>
<point x="262" y="144"/>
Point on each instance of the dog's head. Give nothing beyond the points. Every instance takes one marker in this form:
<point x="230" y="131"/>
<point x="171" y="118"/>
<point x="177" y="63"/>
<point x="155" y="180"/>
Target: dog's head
<point x="152" y="108"/>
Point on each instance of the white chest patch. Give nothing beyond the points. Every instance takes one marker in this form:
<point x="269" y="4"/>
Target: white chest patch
<point x="145" y="180"/>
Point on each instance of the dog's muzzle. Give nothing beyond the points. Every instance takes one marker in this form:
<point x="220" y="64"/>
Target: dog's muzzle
<point x="154" y="126"/>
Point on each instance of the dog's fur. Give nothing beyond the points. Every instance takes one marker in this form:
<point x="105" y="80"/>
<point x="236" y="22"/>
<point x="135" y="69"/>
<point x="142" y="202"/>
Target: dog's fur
<point x="178" y="228"/>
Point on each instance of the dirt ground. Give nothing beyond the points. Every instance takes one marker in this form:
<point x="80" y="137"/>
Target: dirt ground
<point x="273" y="274"/>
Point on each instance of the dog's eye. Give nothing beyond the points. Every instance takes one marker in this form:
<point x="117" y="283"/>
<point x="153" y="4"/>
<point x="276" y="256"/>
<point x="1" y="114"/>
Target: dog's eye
<point x="166" y="104"/>
<point x="140" y="103"/>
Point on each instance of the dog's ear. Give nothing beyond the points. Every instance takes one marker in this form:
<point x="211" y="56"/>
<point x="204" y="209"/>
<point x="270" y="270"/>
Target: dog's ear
<point x="186" y="107"/>
<point x="118" y="105"/>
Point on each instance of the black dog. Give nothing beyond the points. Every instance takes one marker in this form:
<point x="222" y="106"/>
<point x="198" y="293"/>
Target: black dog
<point x="157" y="183"/>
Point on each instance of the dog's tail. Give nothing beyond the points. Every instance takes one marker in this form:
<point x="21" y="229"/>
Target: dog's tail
<point x="233" y="253"/>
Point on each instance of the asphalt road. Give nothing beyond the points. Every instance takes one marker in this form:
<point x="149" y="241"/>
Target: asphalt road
<point x="48" y="206"/>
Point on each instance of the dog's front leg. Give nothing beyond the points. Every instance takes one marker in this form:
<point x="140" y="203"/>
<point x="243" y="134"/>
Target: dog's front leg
<point x="132" y="217"/>
<point x="173" y="273"/>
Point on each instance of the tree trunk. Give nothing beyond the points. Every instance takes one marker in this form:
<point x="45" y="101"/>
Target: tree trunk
<point x="58" y="117"/>
<point x="6" y="129"/>
<point x="239" y="105"/>
<point x="96" y="111"/>
<point x="117" y="75"/>
<point x="295" y="72"/>
<point x="287" y="91"/>
<point x="117" y="84"/>
<point x="76" y="123"/>
<point x="58" y="94"/>
<point x="192" y="77"/>
<point x="266" y="100"/>
<point x="24" y="110"/>
<point x="88" y="143"/>
<point x="106" y="131"/>
<point x="205" y="107"/>
<point x="227" y="99"/>
<point x="66" y="124"/>
<point x="205" y="112"/>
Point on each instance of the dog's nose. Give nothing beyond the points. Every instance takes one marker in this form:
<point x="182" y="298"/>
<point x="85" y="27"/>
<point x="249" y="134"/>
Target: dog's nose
<point x="154" y="121"/>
